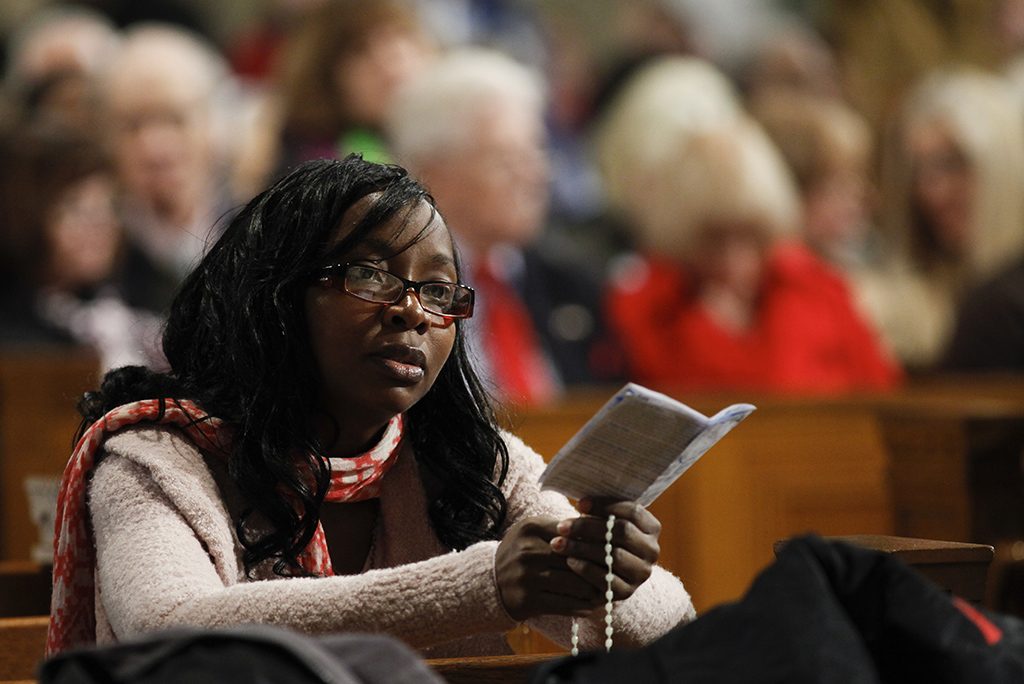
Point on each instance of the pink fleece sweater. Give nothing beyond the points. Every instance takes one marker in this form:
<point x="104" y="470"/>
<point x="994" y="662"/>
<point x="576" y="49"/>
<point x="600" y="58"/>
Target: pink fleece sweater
<point x="167" y="555"/>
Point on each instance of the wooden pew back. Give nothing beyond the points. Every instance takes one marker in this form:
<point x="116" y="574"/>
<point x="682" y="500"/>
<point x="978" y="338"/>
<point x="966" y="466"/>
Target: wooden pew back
<point x="22" y="645"/>
<point x="24" y="588"/>
<point x="38" y="419"/>
<point x="869" y="464"/>
<point x="793" y="466"/>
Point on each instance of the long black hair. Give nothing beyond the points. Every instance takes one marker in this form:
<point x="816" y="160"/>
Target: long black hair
<point x="237" y="343"/>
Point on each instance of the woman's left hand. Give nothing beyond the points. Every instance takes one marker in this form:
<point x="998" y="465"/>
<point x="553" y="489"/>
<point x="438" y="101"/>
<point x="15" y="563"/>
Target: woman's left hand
<point x="634" y="538"/>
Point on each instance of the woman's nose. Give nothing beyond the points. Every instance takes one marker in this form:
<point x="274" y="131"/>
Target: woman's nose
<point x="408" y="314"/>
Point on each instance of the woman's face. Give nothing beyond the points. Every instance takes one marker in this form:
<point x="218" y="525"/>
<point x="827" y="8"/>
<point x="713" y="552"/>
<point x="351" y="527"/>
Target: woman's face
<point x="730" y="256"/>
<point x="84" y="233"/>
<point x="943" y="187"/>
<point x="367" y="80"/>
<point x="837" y="208"/>
<point x="378" y="360"/>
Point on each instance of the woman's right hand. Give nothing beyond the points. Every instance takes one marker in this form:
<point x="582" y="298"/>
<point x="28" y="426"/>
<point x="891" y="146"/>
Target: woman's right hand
<point x="534" y="580"/>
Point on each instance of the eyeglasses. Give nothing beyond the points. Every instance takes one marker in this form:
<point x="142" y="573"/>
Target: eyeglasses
<point x="376" y="285"/>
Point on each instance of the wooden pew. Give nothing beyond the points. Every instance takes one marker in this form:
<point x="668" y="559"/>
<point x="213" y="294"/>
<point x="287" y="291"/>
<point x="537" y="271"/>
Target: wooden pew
<point x="958" y="568"/>
<point x="884" y="464"/>
<point x="24" y="588"/>
<point x="956" y="474"/>
<point x="514" y="669"/>
<point x="956" y="467"/>
<point x="22" y="644"/>
<point x="38" y="393"/>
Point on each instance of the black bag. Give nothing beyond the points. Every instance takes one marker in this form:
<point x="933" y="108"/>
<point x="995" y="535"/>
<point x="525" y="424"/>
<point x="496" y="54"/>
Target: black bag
<point x="255" y="655"/>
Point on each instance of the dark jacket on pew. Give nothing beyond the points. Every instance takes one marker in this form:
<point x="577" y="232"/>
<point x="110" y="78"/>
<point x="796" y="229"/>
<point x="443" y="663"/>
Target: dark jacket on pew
<point x="824" y="612"/>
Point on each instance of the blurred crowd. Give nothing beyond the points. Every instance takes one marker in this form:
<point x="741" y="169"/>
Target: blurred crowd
<point x="816" y="197"/>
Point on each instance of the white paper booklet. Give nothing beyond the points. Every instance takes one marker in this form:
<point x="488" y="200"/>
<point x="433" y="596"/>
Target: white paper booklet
<point x="636" y="446"/>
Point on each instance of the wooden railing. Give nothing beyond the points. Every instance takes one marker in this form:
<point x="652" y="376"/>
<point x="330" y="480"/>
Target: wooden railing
<point x="23" y="642"/>
<point x="937" y="460"/>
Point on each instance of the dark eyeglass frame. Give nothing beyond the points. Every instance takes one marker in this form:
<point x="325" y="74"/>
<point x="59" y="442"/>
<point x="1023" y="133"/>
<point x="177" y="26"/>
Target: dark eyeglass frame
<point x="338" y="274"/>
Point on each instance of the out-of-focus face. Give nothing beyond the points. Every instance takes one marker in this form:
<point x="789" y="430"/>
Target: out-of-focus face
<point x="84" y="233"/>
<point x="943" y="186"/>
<point x="367" y="80"/>
<point x="378" y="360"/>
<point x="494" y="189"/>
<point x="161" y="136"/>
<point x="730" y="256"/>
<point x="836" y="209"/>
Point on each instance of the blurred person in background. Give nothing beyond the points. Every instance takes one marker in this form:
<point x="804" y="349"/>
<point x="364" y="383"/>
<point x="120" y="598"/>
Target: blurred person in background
<point x="165" y="105"/>
<point x="885" y="45"/>
<point x="724" y="295"/>
<point x="339" y="69"/>
<point x="52" y="64"/>
<point x="669" y="95"/>
<point x="471" y="127"/>
<point x="61" y="241"/>
<point x="255" y="46"/>
<point x="829" y="148"/>
<point x="989" y="332"/>
<point x="953" y="206"/>
<point x="792" y="56"/>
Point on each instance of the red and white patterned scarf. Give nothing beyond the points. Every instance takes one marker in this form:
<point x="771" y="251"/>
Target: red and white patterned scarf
<point x="72" y="607"/>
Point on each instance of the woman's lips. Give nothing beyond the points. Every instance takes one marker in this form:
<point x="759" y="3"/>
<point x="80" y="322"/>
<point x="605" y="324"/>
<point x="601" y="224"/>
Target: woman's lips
<point x="402" y="363"/>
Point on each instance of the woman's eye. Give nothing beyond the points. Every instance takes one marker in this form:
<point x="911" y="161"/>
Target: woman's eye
<point x="437" y="293"/>
<point x="365" y="274"/>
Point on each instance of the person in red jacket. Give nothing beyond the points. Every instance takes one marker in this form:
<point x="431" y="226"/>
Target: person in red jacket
<point x="723" y="295"/>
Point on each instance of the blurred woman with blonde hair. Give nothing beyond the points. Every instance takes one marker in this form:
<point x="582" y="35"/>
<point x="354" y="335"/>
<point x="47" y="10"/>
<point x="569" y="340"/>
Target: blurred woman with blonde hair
<point x="953" y="205"/>
<point x="725" y="295"/>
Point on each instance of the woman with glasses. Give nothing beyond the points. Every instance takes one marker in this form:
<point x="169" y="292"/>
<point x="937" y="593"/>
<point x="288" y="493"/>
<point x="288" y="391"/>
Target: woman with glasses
<point x="322" y="427"/>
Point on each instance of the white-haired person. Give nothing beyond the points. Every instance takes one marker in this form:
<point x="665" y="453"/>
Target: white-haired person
<point x="724" y="295"/>
<point x="952" y="206"/>
<point x="662" y="96"/>
<point x="165" y="105"/>
<point x="472" y="128"/>
<point x="53" y="59"/>
<point x="667" y="96"/>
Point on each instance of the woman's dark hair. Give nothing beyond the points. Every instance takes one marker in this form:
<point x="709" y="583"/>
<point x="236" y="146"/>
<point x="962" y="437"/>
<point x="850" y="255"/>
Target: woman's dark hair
<point x="237" y="343"/>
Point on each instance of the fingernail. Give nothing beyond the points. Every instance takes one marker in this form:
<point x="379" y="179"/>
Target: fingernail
<point x="564" y="527"/>
<point x="558" y="543"/>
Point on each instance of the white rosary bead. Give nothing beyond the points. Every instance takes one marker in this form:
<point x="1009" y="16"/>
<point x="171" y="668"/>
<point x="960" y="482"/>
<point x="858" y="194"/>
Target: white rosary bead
<point x="575" y="638"/>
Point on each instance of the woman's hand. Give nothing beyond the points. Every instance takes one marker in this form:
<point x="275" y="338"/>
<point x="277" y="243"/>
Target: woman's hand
<point x="634" y="538"/>
<point x="546" y="566"/>
<point x="533" y="579"/>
